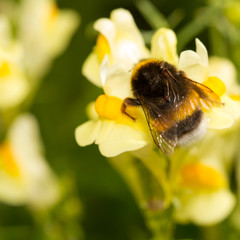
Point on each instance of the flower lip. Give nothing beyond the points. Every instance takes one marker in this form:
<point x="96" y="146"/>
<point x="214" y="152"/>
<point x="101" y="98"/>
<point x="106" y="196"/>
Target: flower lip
<point x="8" y="161"/>
<point x="109" y="107"/>
<point x="54" y="11"/>
<point x="4" y="70"/>
<point x="201" y="177"/>
<point x="215" y="84"/>
<point x="103" y="47"/>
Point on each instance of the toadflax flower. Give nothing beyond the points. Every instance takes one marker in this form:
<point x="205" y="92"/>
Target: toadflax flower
<point x="45" y="31"/>
<point x="119" y="48"/>
<point x="120" y="39"/>
<point x="13" y="83"/>
<point x="200" y="183"/>
<point x="200" y="177"/>
<point x="25" y="176"/>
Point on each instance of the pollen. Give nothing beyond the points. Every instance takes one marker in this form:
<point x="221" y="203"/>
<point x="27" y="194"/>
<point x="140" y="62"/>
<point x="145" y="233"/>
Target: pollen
<point x="201" y="177"/>
<point x="103" y="47"/>
<point x="4" y="69"/>
<point x="7" y="161"/>
<point x="109" y="107"/>
<point x="216" y="85"/>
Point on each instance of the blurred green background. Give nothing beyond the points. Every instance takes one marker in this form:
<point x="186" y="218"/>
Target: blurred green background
<point x="109" y="210"/>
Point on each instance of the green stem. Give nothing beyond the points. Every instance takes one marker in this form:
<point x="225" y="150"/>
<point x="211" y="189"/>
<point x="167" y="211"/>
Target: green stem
<point x="175" y="17"/>
<point x="156" y="195"/>
<point x="151" y="190"/>
<point x="160" y="224"/>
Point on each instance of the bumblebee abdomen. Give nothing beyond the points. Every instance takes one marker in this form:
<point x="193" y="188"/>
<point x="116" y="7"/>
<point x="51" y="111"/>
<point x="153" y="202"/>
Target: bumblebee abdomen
<point x="189" y="124"/>
<point x="187" y="129"/>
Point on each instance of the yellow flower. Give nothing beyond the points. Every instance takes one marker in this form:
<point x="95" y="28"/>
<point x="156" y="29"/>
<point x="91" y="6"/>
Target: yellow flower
<point x="225" y="70"/>
<point x="195" y="65"/>
<point x="45" y="31"/>
<point x="200" y="182"/>
<point x="120" y="39"/>
<point x="25" y="177"/>
<point x="13" y="83"/>
<point x="195" y="179"/>
<point x="110" y="67"/>
<point x="110" y="129"/>
<point x="202" y="193"/>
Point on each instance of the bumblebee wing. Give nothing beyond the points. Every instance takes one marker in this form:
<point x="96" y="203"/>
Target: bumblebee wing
<point x="163" y="129"/>
<point x="197" y="97"/>
<point x="205" y="96"/>
<point x="164" y="141"/>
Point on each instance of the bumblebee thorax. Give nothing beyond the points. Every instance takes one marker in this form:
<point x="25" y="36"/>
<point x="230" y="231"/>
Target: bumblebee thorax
<point x="149" y="78"/>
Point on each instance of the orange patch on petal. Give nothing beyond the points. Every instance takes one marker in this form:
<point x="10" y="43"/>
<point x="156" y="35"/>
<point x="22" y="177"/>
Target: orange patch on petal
<point x="54" y="11"/>
<point x="201" y="177"/>
<point x="103" y="47"/>
<point x="235" y="97"/>
<point x="4" y="69"/>
<point x="216" y="85"/>
<point x="7" y="161"/>
<point x="109" y="107"/>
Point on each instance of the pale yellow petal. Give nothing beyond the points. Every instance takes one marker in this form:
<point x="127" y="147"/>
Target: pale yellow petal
<point x="66" y="25"/>
<point x="5" y="30"/>
<point x="163" y="46"/>
<point x="24" y="136"/>
<point x="129" y="44"/>
<point x="190" y="63"/>
<point x="125" y="40"/>
<point x="122" y="138"/>
<point x="219" y="119"/>
<point x="104" y="69"/>
<point x="116" y="80"/>
<point x="126" y="27"/>
<point x="129" y="53"/>
<point x="12" y="191"/>
<point x="107" y="28"/>
<point x="13" y="90"/>
<point x="195" y="64"/>
<point x="118" y="85"/>
<point x="45" y="32"/>
<point x="35" y="175"/>
<point x="206" y="209"/>
<point x="223" y="116"/>
<point x="106" y="127"/>
<point x="91" y="69"/>
<point x="87" y="133"/>
<point x="91" y="112"/>
<point x="226" y="71"/>
<point x="202" y="52"/>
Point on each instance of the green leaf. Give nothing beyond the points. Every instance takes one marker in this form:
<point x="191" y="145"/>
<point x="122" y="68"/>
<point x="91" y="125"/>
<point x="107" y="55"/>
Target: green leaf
<point x="152" y="15"/>
<point x="193" y="28"/>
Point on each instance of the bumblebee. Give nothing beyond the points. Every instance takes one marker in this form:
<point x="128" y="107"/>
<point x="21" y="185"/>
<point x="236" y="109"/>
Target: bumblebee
<point x="173" y="104"/>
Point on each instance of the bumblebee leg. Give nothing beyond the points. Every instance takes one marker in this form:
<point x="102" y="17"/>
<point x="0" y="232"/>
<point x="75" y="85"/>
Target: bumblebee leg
<point x="129" y="102"/>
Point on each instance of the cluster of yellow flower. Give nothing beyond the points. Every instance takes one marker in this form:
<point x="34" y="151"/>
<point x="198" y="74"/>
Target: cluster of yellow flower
<point x="41" y="32"/>
<point x="198" y="179"/>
